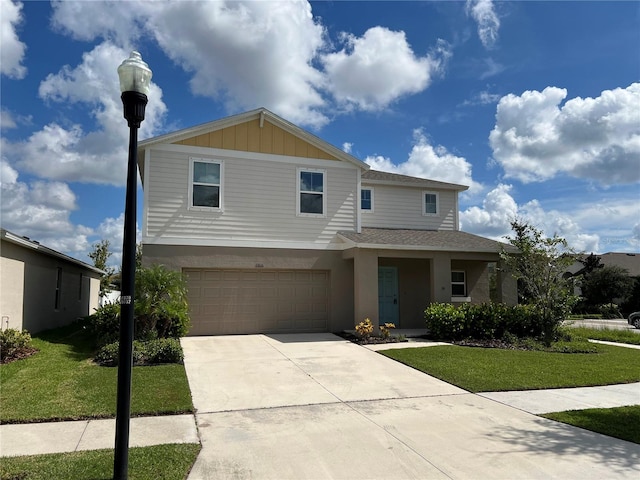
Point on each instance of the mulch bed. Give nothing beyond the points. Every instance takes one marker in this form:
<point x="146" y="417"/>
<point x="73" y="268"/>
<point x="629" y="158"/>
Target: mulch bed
<point x="370" y="340"/>
<point x="18" y="355"/>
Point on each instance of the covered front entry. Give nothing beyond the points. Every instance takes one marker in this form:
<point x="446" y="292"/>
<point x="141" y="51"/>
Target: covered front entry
<point x="257" y="301"/>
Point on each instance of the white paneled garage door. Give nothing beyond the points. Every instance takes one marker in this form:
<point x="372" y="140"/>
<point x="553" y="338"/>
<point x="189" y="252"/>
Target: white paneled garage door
<point x="257" y="301"/>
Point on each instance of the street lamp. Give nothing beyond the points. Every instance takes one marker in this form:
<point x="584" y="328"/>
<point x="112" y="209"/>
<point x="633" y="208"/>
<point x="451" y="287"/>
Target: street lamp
<point x="135" y="77"/>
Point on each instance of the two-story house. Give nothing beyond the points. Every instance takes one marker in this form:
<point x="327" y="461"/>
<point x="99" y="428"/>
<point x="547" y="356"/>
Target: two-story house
<point x="278" y="231"/>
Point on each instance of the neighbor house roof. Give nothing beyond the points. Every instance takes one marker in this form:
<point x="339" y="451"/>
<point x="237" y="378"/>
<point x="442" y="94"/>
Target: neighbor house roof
<point x="385" y="178"/>
<point x="440" y="240"/>
<point x="26" y="242"/>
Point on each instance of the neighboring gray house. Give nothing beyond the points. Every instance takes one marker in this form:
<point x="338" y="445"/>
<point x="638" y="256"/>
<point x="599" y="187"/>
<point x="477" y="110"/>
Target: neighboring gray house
<point x="41" y="288"/>
<point x="279" y="231"/>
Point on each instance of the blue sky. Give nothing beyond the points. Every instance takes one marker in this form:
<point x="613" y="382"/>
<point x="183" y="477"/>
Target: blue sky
<point x="534" y="105"/>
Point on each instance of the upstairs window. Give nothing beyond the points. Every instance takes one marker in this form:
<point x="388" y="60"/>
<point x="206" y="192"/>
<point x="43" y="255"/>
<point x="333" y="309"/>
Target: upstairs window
<point x="366" y="200"/>
<point x="206" y="184"/>
<point x="458" y="283"/>
<point x="429" y="203"/>
<point x="311" y="192"/>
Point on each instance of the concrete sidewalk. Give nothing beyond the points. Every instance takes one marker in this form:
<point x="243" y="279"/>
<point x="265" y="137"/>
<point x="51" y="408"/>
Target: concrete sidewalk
<point x="57" y="437"/>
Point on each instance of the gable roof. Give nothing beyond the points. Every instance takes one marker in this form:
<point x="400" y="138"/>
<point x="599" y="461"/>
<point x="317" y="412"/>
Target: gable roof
<point x="26" y="242"/>
<point x="260" y="114"/>
<point x="385" y="178"/>
<point x="436" y="240"/>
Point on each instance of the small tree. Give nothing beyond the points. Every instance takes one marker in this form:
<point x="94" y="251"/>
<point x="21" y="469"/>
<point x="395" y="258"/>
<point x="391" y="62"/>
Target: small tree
<point x="100" y="255"/>
<point x="539" y="266"/>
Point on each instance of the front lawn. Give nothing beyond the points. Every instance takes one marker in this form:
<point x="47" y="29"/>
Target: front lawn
<point x="492" y="369"/>
<point x="620" y="422"/>
<point x="61" y="382"/>
<point x="168" y="462"/>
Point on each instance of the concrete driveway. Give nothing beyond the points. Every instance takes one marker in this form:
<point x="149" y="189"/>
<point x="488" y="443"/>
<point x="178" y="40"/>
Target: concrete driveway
<point x="316" y="406"/>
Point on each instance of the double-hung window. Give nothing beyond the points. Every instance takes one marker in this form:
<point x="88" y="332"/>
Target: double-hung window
<point x="312" y="200"/>
<point x="429" y="203"/>
<point x="458" y="283"/>
<point x="366" y="200"/>
<point x="205" y="187"/>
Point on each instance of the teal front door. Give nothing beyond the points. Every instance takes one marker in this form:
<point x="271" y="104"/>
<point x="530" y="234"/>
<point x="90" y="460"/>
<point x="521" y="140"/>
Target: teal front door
<point x="388" y="295"/>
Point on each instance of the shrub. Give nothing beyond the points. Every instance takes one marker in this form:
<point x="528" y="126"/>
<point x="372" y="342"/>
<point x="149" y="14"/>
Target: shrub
<point x="104" y="324"/>
<point x="163" y="350"/>
<point x="14" y="343"/>
<point x="385" y="330"/>
<point x="445" y="321"/>
<point x="610" y="310"/>
<point x="152" y="352"/>
<point x="365" y="328"/>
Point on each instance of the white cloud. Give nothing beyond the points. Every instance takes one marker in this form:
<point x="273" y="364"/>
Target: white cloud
<point x="482" y="98"/>
<point x="6" y="120"/>
<point x="499" y="209"/>
<point x="13" y="50"/>
<point x="347" y="147"/>
<point x="483" y="12"/>
<point x="376" y="69"/>
<point x="427" y="161"/>
<point x="248" y="54"/>
<point x="535" y="139"/>
<point x="40" y="210"/>
<point x="69" y="153"/>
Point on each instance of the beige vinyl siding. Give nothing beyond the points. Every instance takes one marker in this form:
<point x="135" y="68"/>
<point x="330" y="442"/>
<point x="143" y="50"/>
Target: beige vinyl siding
<point x="250" y="137"/>
<point x="259" y="201"/>
<point x="401" y="207"/>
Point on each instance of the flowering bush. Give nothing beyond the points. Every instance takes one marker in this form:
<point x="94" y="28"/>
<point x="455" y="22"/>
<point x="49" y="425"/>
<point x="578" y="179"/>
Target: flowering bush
<point x="365" y="328"/>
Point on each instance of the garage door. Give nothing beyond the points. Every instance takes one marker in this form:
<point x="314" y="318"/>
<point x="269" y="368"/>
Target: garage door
<point x="257" y="301"/>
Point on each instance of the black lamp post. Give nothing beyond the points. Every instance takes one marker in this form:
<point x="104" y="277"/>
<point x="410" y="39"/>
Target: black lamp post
<point x="135" y="77"/>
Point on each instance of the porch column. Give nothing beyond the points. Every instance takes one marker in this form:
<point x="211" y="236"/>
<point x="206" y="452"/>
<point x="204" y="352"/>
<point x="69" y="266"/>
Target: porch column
<point x="365" y="289"/>
<point x="441" y="278"/>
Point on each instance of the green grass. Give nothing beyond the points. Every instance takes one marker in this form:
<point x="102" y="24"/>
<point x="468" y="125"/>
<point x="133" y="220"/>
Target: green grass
<point x="620" y="422"/>
<point x="61" y="382"/>
<point x="493" y="369"/>
<point x="620" y="336"/>
<point x="161" y="462"/>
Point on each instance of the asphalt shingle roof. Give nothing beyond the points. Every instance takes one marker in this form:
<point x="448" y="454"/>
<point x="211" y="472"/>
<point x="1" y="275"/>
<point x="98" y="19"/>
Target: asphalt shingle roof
<point x="441" y="240"/>
<point x="378" y="176"/>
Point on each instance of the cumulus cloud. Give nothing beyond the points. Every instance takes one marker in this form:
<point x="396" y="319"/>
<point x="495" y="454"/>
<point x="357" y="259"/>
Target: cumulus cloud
<point x="535" y="138"/>
<point x="273" y="54"/>
<point x="13" y="50"/>
<point x="372" y="71"/>
<point x="68" y="152"/>
<point x="428" y="161"/>
<point x="499" y="209"/>
<point x="40" y="210"/>
<point x="483" y="12"/>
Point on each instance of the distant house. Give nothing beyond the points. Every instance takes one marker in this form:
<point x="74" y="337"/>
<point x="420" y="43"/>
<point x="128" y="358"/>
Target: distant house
<point x="278" y="231"/>
<point x="41" y="288"/>
<point x="628" y="261"/>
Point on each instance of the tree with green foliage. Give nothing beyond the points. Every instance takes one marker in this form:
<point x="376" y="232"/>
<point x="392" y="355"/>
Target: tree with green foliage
<point x="100" y="255"/>
<point x="538" y="266"/>
<point x="604" y="285"/>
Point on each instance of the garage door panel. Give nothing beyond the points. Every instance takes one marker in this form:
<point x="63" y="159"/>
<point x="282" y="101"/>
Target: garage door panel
<point x="256" y="301"/>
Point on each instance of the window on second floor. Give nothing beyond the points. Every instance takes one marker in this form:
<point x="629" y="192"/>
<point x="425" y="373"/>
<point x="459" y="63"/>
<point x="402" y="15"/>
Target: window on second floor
<point x="366" y="200"/>
<point x="312" y="200"/>
<point x="205" y="187"/>
<point x="429" y="203"/>
<point x="458" y="283"/>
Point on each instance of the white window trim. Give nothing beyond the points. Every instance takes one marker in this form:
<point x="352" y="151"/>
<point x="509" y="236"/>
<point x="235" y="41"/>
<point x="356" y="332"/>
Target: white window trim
<point x="424" y="204"/>
<point x="191" y="206"/>
<point x="464" y="283"/>
<point x="362" y="209"/>
<point x="324" y="192"/>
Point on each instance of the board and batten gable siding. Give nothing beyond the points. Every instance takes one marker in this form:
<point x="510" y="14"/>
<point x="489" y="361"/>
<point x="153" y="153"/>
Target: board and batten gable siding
<point x="250" y="137"/>
<point x="259" y="199"/>
<point x="401" y="207"/>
